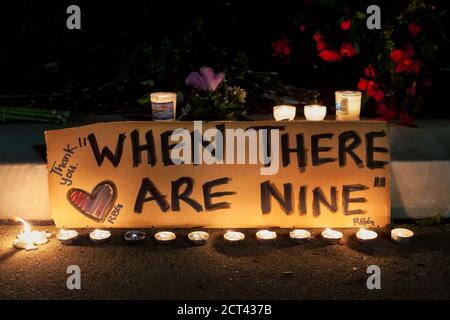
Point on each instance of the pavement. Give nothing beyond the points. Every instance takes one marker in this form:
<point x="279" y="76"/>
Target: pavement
<point x="282" y="270"/>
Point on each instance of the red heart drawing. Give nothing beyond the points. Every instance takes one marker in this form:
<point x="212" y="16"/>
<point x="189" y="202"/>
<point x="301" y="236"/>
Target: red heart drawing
<point x="97" y="204"/>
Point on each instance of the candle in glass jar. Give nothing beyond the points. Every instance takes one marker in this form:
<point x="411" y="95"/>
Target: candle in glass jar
<point x="198" y="237"/>
<point x="365" y="236"/>
<point x="266" y="236"/>
<point x="332" y="236"/>
<point x="401" y="235"/>
<point x="299" y="236"/>
<point x="100" y="236"/>
<point x="134" y="236"/>
<point x="233" y="237"/>
<point x="67" y="237"/>
<point x="164" y="106"/>
<point x="348" y="105"/>
<point x="165" y="237"/>
<point x="315" y="112"/>
<point x="284" y="112"/>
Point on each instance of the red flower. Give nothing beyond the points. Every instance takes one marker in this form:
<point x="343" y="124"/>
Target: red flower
<point x="362" y="85"/>
<point x="379" y="95"/>
<point x="330" y="55"/>
<point x="396" y="55"/>
<point x="321" y="46"/>
<point x="369" y="71"/>
<point x="409" y="66"/>
<point x="318" y="37"/>
<point x="347" y="50"/>
<point x="345" y="24"/>
<point x="412" y="90"/>
<point x="406" y="120"/>
<point x="282" y="47"/>
<point x="381" y="108"/>
<point x="414" y="29"/>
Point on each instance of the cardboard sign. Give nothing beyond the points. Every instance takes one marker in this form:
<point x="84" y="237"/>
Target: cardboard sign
<point x="306" y="174"/>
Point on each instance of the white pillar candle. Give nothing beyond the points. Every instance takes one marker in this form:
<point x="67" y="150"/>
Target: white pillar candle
<point x="164" y="106"/>
<point x="99" y="236"/>
<point x="315" y="112"/>
<point x="67" y="237"/>
<point x="401" y="235"/>
<point x="365" y="236"/>
<point x="284" y="112"/>
<point x="348" y="105"/>
<point x="265" y="236"/>
<point x="198" y="237"/>
<point x="165" y="237"/>
<point x="233" y="237"/>
<point x="299" y="236"/>
<point x="332" y="236"/>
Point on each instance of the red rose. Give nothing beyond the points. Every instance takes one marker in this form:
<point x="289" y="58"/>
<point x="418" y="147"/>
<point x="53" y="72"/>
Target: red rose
<point x="396" y="55"/>
<point x="369" y="71"/>
<point x="347" y="50"/>
<point x="321" y="46"/>
<point x="282" y="47"/>
<point x="362" y="85"/>
<point x="330" y="55"/>
<point x="414" y="29"/>
<point x="379" y="95"/>
<point x="345" y="24"/>
<point x="409" y="66"/>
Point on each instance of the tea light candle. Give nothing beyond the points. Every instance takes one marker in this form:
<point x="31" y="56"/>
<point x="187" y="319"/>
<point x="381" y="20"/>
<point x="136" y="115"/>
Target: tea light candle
<point x="284" y="112"/>
<point x="233" y="237"/>
<point x="348" y="105"/>
<point x="401" y="235"/>
<point x="365" y="236"/>
<point x="67" y="237"/>
<point x="315" y="112"/>
<point x="299" y="236"/>
<point x="198" y="237"/>
<point x="165" y="237"/>
<point x="134" y="237"/>
<point x="332" y="236"/>
<point x="28" y="239"/>
<point x="266" y="236"/>
<point x="164" y="106"/>
<point x="99" y="236"/>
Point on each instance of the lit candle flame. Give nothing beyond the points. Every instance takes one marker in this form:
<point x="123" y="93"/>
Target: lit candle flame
<point x="26" y="226"/>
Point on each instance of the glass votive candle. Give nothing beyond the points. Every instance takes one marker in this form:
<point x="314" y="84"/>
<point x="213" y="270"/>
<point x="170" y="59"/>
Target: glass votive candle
<point x="402" y="235"/>
<point x="315" y="112"/>
<point x="299" y="236"/>
<point x="198" y="237"/>
<point x="284" y="113"/>
<point x="348" y="105"/>
<point x="266" y="236"/>
<point x="165" y="237"/>
<point x="332" y="236"/>
<point x="100" y="236"/>
<point x="233" y="237"/>
<point x="366" y="236"/>
<point x="164" y="106"/>
<point x="67" y="237"/>
<point x="134" y="236"/>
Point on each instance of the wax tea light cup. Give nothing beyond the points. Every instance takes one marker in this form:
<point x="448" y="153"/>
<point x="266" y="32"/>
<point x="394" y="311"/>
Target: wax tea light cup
<point x="30" y="239"/>
<point x="366" y="236"/>
<point x="198" y="237"/>
<point x="165" y="237"/>
<point x="67" y="237"/>
<point x="284" y="113"/>
<point x="134" y="236"/>
<point x="100" y="236"/>
<point x="233" y="237"/>
<point x="164" y="106"/>
<point x="332" y="236"/>
<point x="348" y="105"/>
<point x="401" y="235"/>
<point x="266" y="236"/>
<point x="299" y="236"/>
<point x="315" y="112"/>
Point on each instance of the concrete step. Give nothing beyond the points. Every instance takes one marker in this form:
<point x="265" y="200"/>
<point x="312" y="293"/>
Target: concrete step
<point x="420" y="157"/>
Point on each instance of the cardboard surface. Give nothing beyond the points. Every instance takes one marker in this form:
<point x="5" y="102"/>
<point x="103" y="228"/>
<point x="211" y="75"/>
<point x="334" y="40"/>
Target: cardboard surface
<point x="340" y="177"/>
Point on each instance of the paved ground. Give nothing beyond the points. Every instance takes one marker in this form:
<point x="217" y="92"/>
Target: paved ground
<point x="281" y="270"/>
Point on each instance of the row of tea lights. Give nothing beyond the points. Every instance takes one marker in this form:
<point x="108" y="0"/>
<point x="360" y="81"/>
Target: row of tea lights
<point x="348" y="108"/>
<point x="399" y="235"/>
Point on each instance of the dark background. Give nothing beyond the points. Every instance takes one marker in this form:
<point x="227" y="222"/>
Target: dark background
<point x="126" y="49"/>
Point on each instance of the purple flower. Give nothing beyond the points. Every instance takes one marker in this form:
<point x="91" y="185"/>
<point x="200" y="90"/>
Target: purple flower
<point x="205" y="80"/>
